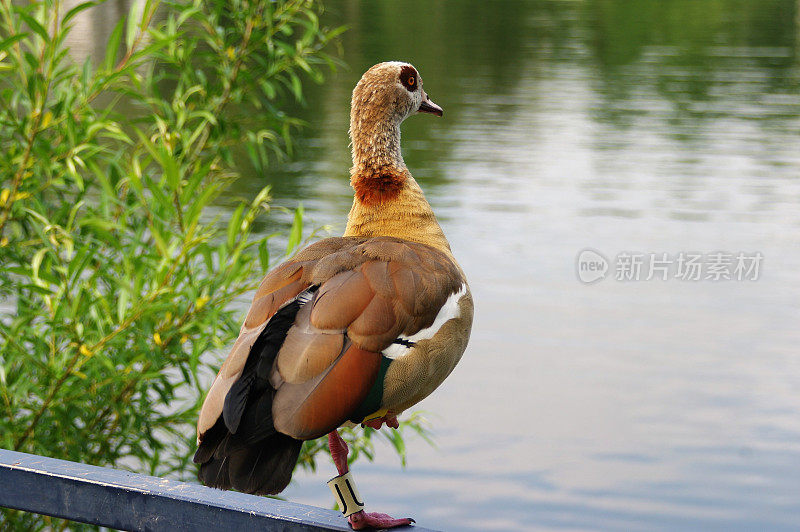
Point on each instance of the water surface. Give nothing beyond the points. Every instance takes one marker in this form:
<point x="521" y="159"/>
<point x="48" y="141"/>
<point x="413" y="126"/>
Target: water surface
<point x="623" y="126"/>
<point x="652" y="127"/>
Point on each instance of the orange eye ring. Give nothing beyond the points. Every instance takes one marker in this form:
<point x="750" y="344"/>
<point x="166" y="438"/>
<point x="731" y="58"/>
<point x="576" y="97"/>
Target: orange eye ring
<point x="411" y="81"/>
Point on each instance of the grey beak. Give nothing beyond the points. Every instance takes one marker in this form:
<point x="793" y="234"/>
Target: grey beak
<point x="427" y="106"/>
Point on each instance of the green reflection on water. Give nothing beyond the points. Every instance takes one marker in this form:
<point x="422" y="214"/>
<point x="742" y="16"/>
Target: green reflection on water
<point x="683" y="65"/>
<point x="672" y="123"/>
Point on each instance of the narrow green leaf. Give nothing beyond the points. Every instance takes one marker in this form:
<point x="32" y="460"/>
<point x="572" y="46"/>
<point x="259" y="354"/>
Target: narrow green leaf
<point x="170" y="166"/>
<point x="112" y="48"/>
<point x="132" y="24"/>
<point x="122" y="303"/>
<point x="36" y="262"/>
<point x="263" y="255"/>
<point x="11" y="40"/>
<point x="196" y="206"/>
<point x="159" y="241"/>
<point x="42" y="290"/>
<point x="296" y="233"/>
<point x="297" y="87"/>
<point x="75" y="10"/>
<point x="235" y="224"/>
<point x="34" y="24"/>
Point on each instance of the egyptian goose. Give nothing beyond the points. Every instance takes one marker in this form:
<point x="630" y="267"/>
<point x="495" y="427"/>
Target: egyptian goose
<point x="355" y="329"/>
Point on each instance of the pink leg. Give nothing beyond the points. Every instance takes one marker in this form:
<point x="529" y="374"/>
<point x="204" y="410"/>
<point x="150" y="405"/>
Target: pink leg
<point x="339" y="451"/>
<point x="361" y="519"/>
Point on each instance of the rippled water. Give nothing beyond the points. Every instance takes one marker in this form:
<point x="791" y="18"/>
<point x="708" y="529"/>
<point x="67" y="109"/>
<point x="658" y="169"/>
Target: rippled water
<point x="621" y="126"/>
<point x="660" y="127"/>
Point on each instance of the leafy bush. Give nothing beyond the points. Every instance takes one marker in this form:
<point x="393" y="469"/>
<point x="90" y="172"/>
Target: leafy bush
<point x="116" y="275"/>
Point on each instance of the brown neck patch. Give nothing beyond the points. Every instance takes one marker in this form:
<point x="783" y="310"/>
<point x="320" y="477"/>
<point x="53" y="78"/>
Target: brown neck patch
<point x="378" y="185"/>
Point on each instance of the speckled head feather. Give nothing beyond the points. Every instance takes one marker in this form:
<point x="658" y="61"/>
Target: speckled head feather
<point x="386" y="94"/>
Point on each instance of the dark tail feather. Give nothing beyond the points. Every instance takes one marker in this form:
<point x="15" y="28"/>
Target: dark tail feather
<point x="215" y="473"/>
<point x="258" y="460"/>
<point x="210" y="441"/>
<point x="242" y="450"/>
<point x="263" y="469"/>
<point x="256" y="426"/>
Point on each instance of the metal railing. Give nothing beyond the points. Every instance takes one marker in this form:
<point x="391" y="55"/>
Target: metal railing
<point x="129" y="501"/>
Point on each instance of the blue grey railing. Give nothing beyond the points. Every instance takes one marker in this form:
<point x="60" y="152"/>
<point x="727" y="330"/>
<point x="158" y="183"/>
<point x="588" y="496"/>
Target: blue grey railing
<point x="129" y="501"/>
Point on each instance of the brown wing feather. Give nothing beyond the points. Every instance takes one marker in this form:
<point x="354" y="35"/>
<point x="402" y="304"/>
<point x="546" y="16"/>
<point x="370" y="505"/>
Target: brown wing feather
<point x="314" y="408"/>
<point x="341" y="300"/>
<point x="287" y="284"/>
<point x="307" y="351"/>
<point x="370" y="291"/>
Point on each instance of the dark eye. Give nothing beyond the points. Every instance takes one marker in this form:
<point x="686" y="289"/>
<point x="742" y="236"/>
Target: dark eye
<point x="408" y="77"/>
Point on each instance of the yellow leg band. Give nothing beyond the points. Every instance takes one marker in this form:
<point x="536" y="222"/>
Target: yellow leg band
<point x="346" y="494"/>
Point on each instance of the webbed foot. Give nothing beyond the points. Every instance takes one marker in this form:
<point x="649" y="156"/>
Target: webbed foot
<point x="364" y="519"/>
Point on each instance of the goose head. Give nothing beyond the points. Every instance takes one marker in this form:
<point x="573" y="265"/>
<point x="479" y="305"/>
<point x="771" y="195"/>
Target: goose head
<point x="394" y="90"/>
<point x="386" y="94"/>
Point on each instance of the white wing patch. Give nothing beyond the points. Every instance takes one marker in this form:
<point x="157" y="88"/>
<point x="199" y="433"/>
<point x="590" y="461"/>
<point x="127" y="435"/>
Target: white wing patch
<point x="449" y="310"/>
<point x="395" y="351"/>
